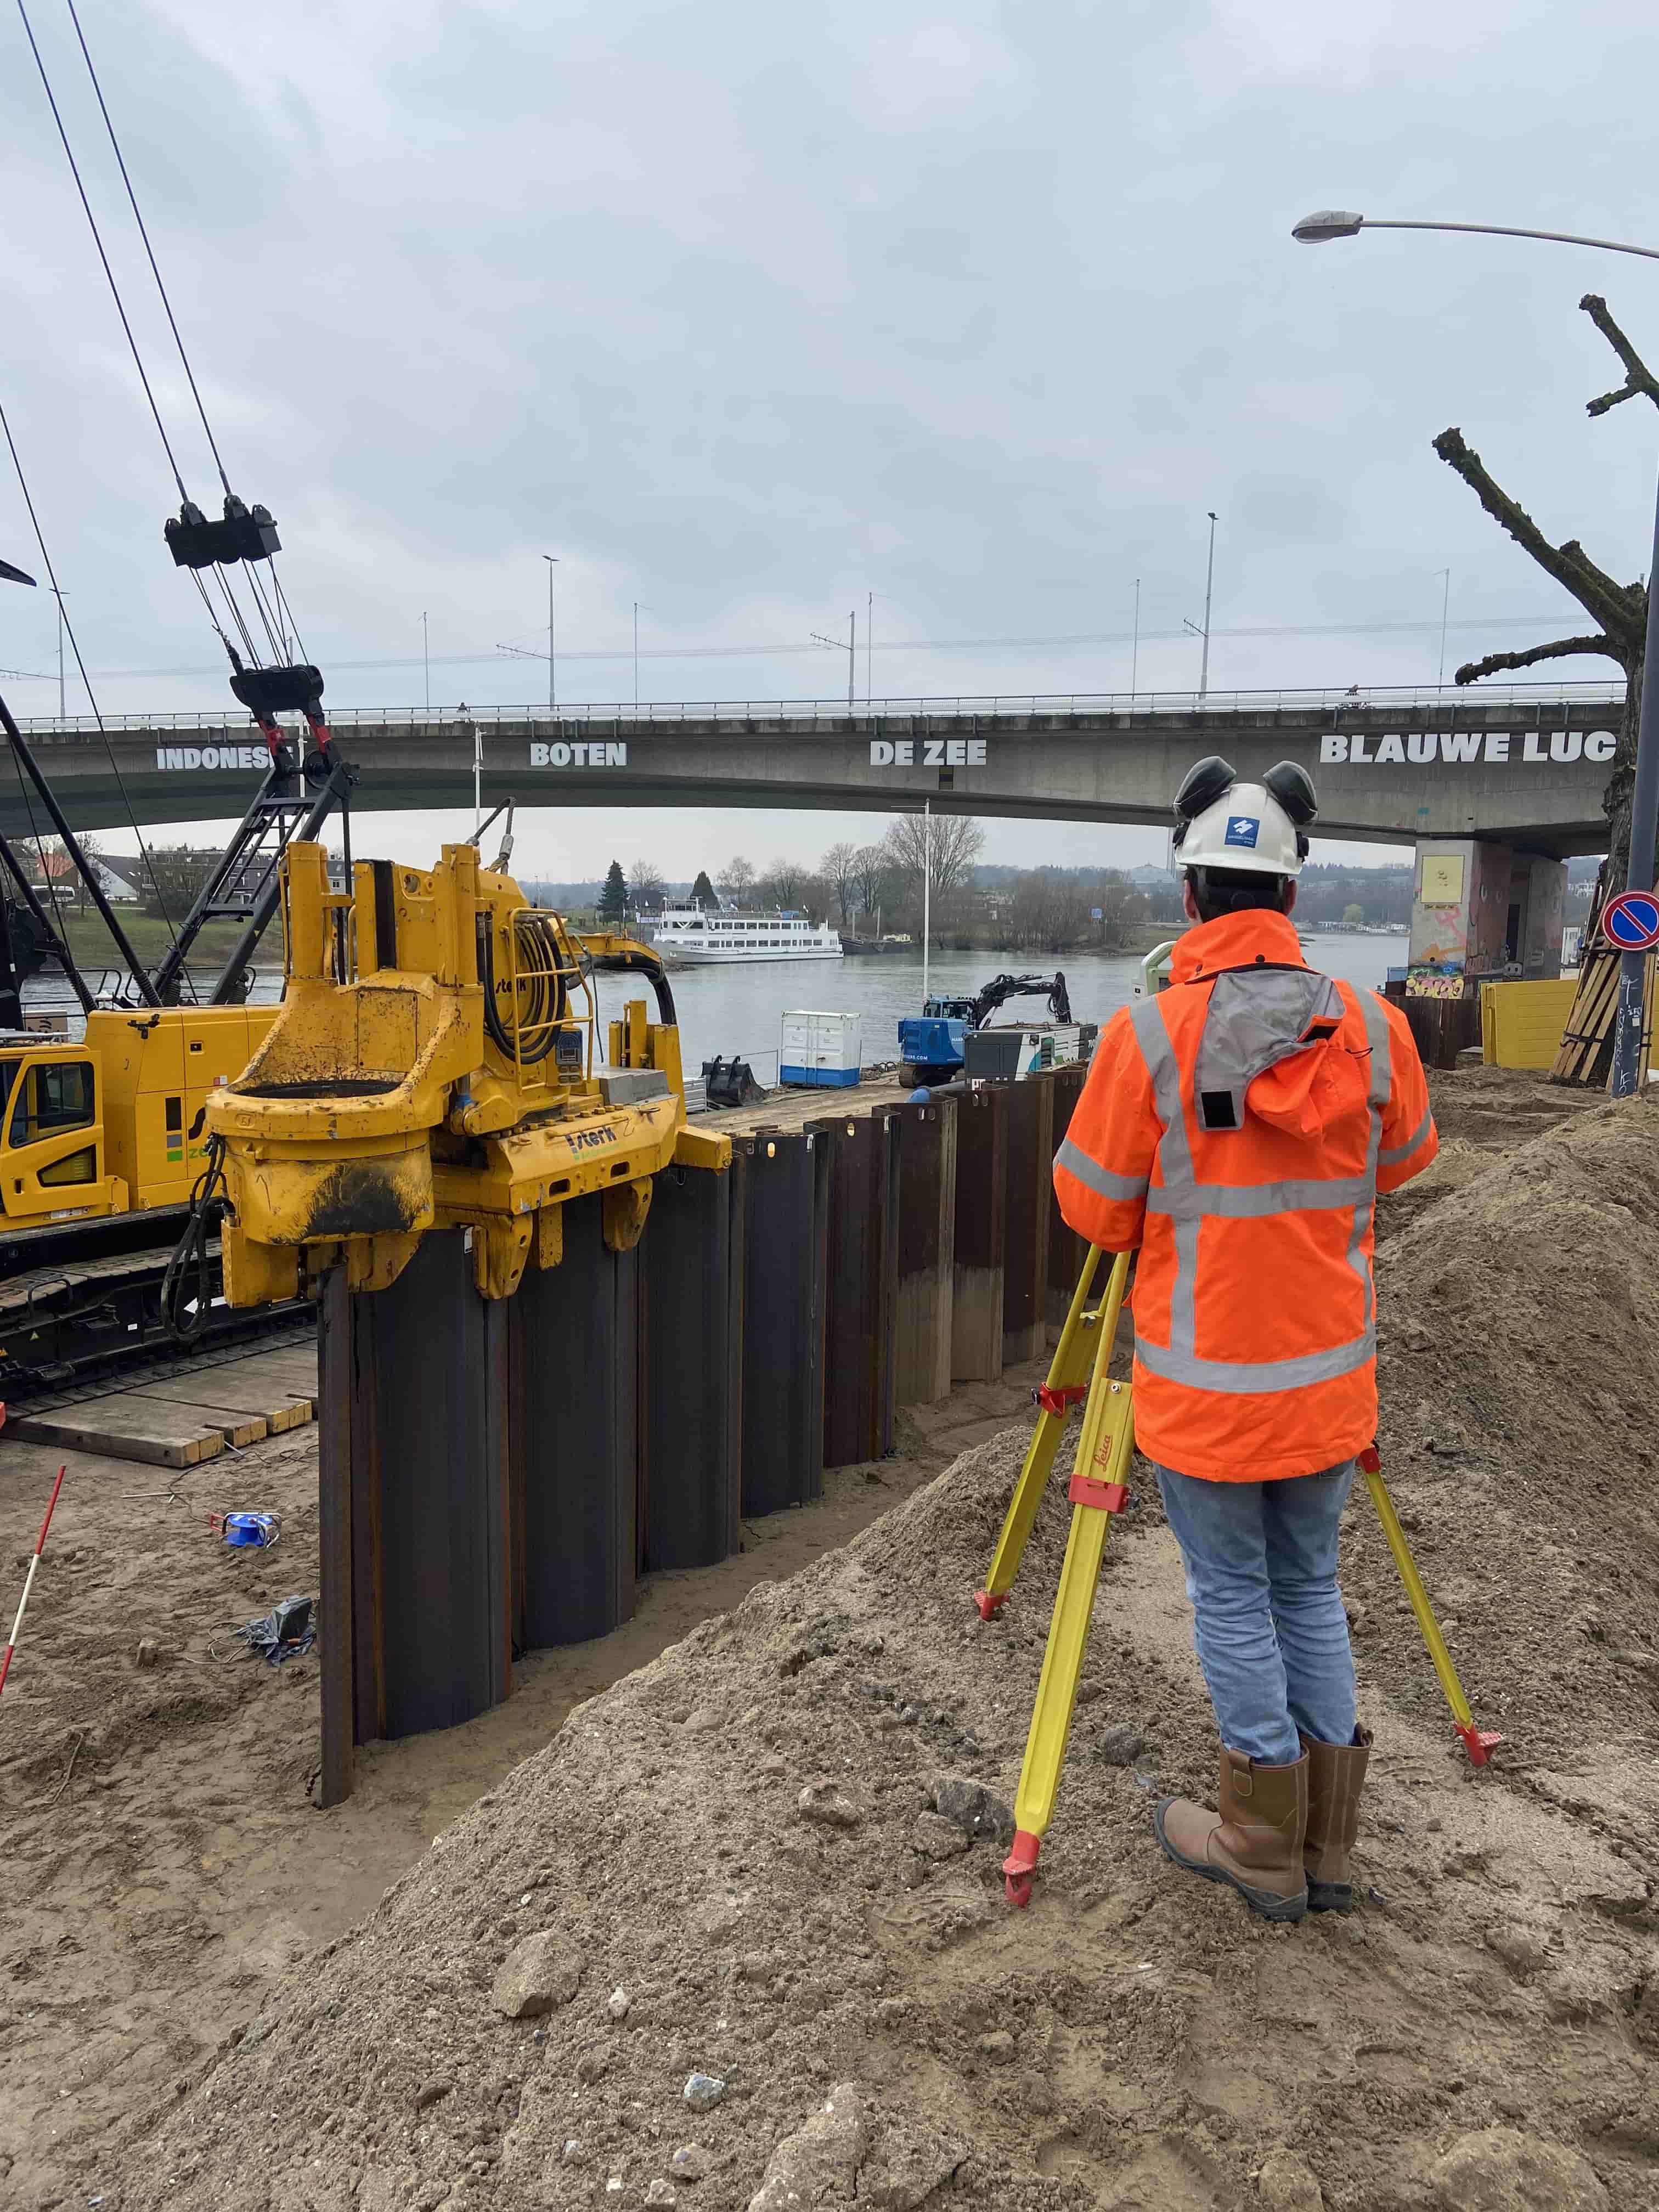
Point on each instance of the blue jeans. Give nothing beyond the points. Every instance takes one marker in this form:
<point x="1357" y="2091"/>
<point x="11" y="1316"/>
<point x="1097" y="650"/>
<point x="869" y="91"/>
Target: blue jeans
<point x="1268" y="1623"/>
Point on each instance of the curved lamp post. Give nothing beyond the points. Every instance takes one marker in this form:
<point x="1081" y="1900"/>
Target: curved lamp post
<point x="1317" y="229"/>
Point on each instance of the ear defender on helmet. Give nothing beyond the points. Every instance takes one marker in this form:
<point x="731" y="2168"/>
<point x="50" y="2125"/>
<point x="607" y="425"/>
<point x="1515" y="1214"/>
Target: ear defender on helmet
<point x="1292" y="787"/>
<point x="1205" y="782"/>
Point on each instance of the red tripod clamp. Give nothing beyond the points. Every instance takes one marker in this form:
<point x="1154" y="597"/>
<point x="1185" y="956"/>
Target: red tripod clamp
<point x="1056" y="1397"/>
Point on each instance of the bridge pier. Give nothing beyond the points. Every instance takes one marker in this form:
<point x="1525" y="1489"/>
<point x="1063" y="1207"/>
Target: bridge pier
<point x="1483" y="910"/>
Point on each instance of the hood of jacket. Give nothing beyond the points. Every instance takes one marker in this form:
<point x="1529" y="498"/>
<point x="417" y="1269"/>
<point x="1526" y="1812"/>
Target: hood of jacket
<point x="1279" y="1042"/>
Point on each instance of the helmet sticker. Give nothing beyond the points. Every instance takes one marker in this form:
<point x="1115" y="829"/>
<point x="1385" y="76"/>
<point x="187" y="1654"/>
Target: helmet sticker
<point x="1243" y="830"/>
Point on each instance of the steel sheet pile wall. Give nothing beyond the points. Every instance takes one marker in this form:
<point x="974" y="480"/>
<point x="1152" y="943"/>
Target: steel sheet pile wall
<point x="926" y="1250"/>
<point x="691" y="1349"/>
<point x="1028" y="1198"/>
<point x="575" y="1430"/>
<point x="860" y="1285"/>
<point x="1067" y="1250"/>
<point x="980" y="1234"/>
<point x="415" y="1628"/>
<point x="496" y="1473"/>
<point x="786" y="1175"/>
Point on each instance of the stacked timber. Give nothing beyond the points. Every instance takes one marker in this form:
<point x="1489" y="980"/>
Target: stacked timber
<point x="1585" y="1058"/>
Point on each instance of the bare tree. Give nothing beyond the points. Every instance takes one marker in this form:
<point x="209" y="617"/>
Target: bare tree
<point x="737" y="876"/>
<point x="839" y="868"/>
<point x="943" y="847"/>
<point x="781" y="882"/>
<point x="814" y="895"/>
<point x="869" y="874"/>
<point x="649" y="886"/>
<point x="1619" y="610"/>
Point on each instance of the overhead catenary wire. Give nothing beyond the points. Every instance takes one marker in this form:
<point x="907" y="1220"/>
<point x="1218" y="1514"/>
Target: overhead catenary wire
<point x="97" y="239"/>
<point x="272" y="622"/>
<point x="47" y="563"/>
<point x="132" y="201"/>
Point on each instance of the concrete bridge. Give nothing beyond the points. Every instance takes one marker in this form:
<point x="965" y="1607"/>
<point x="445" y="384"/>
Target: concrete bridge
<point x="1520" y="765"/>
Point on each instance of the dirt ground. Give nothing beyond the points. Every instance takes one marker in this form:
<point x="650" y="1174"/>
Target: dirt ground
<point x="757" y="1857"/>
<point x="165" y="1866"/>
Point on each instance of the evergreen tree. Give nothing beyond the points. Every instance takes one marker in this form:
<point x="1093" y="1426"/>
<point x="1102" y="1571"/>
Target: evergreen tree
<point x="613" y="899"/>
<point x="702" y="891"/>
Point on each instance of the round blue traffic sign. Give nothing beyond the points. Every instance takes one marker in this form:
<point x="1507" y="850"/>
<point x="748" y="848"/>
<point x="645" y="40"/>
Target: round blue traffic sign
<point x="1631" y="921"/>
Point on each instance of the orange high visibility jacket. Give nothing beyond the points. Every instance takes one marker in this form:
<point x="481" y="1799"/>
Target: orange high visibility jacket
<point x="1237" y="1128"/>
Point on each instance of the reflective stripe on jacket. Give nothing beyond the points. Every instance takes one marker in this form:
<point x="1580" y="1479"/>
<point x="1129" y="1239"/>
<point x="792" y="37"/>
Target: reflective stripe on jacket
<point x="1237" y="1128"/>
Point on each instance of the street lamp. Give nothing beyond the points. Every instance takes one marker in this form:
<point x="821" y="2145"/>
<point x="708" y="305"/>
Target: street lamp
<point x="1209" y="587"/>
<point x="552" y="563"/>
<point x="1326" y="223"/>
<point x="1335" y="223"/>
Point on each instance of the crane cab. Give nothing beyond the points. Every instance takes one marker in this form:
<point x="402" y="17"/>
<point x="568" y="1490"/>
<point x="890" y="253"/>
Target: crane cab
<point x="53" y="1156"/>
<point x="114" y="1123"/>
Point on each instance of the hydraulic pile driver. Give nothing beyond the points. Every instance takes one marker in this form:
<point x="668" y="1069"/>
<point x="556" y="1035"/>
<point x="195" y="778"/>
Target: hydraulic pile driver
<point x="433" y="1065"/>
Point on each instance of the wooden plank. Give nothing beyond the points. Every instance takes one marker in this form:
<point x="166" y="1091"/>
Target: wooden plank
<point x="229" y="1395"/>
<point x="125" y="1426"/>
<point x="240" y="1425"/>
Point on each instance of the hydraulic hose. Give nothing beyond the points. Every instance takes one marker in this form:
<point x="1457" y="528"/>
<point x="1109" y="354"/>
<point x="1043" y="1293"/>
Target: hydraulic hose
<point x="639" y="962"/>
<point x="542" y="1000"/>
<point x="187" y="1271"/>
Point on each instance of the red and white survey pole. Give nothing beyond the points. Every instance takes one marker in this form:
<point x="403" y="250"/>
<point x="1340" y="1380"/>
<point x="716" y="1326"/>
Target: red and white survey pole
<point x="34" y="1561"/>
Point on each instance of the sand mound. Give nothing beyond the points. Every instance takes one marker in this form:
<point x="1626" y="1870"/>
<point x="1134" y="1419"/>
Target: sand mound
<point x="770" y="1857"/>
<point x="1519" y="1377"/>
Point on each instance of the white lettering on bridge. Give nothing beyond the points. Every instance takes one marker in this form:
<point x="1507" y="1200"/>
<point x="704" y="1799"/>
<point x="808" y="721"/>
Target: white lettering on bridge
<point x="936" y="752"/>
<point x="1563" y="747"/>
<point x="235" y="756"/>
<point x="610" y="752"/>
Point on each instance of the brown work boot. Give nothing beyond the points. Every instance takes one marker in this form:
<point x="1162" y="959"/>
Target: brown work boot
<point x="1336" y="1775"/>
<point x="1255" y="1842"/>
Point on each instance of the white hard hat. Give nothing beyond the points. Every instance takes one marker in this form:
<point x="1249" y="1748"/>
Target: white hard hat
<point x="1248" y="828"/>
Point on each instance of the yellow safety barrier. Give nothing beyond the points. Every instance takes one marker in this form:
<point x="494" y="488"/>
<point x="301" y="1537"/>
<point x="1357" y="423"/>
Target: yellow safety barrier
<point x="1521" y="1024"/>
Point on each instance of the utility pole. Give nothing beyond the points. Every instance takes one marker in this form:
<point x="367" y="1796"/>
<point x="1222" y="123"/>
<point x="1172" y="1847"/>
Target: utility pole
<point x="869" y="631"/>
<point x="852" y="655"/>
<point x="1445" y="610"/>
<point x="426" y="662"/>
<point x="61" y="710"/>
<point x="1134" y="650"/>
<point x="636" y="656"/>
<point x="927" y="892"/>
<point x="551" y="560"/>
<point x="1209" y="586"/>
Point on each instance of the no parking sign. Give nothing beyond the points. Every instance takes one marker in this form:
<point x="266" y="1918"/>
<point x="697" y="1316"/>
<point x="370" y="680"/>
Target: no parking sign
<point x="1630" y="922"/>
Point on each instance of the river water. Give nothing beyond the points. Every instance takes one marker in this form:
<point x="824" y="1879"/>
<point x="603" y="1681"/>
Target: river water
<point x="723" y="1010"/>
<point x="739" y="1010"/>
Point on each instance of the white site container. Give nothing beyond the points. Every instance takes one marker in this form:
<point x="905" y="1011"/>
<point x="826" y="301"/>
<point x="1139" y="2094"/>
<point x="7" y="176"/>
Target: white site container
<point x="822" y="1050"/>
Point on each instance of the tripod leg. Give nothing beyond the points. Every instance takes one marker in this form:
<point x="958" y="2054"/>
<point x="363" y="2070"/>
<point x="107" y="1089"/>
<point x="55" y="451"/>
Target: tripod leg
<point x="1480" y="1743"/>
<point x="1066" y="1385"/>
<point x="1097" y="1491"/>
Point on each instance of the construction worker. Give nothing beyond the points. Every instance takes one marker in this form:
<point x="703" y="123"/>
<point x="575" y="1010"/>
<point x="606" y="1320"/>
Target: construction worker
<point x="1237" y="1128"/>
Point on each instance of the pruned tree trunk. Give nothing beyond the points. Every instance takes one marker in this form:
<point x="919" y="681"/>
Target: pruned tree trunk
<point x="1619" y="609"/>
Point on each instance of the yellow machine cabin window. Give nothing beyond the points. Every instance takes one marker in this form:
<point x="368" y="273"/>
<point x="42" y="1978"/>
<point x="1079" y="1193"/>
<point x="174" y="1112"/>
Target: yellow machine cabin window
<point x="74" y="1167"/>
<point x="51" y="1098"/>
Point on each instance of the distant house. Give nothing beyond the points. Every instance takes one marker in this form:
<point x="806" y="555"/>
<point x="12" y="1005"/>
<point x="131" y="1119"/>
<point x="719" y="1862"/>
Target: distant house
<point x="118" y="888"/>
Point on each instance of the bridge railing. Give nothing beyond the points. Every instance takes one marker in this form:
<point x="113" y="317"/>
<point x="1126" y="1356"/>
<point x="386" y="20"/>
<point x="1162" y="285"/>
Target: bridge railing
<point x="1061" y="705"/>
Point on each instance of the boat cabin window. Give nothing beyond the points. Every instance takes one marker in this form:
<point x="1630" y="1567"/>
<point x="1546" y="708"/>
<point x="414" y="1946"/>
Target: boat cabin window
<point x="52" y="1097"/>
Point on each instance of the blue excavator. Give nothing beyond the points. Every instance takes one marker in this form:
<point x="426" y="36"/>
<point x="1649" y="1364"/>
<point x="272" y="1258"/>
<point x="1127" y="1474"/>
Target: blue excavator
<point x="933" y="1044"/>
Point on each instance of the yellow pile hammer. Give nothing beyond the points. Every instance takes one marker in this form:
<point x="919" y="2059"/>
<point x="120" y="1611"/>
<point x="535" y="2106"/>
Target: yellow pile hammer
<point x="433" y="1065"/>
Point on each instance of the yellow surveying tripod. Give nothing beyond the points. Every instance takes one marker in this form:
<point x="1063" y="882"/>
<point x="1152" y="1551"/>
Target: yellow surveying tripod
<point x="1097" y="1491"/>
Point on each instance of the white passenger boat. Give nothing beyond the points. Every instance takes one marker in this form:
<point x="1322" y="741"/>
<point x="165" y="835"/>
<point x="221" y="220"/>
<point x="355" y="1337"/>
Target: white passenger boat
<point x="720" y="939"/>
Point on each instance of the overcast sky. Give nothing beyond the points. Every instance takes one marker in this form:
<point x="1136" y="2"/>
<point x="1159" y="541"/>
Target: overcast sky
<point x="746" y="313"/>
